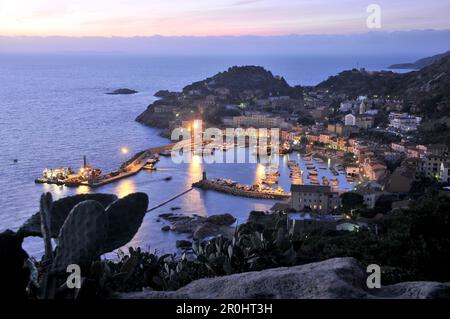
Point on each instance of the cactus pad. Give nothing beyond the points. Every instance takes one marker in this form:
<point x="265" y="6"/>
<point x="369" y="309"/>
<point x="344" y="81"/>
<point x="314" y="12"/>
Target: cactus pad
<point x="60" y="211"/>
<point x="125" y="217"/>
<point x="82" y="236"/>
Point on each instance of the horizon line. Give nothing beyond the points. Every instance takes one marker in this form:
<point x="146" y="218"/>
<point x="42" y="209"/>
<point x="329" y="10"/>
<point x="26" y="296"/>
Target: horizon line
<point x="225" y="35"/>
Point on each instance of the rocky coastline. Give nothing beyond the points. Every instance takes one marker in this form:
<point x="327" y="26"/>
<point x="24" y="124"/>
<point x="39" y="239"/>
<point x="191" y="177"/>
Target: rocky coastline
<point x="199" y="227"/>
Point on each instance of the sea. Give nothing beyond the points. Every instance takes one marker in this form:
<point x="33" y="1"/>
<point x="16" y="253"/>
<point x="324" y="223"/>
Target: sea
<point x="54" y="110"/>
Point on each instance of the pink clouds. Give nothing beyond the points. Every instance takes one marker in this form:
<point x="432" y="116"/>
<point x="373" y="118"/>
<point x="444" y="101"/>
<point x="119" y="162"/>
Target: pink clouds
<point x="205" y="17"/>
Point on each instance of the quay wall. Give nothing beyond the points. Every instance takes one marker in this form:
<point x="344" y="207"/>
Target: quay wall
<point x="209" y="185"/>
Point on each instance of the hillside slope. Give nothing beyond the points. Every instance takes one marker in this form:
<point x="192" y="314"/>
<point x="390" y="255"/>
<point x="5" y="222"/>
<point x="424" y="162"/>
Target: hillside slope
<point x="421" y="63"/>
<point x="428" y="89"/>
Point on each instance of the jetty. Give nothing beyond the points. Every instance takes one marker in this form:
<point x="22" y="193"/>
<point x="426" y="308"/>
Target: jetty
<point x="236" y="189"/>
<point x="129" y="168"/>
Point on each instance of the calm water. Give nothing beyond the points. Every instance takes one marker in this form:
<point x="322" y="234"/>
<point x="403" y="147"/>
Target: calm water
<point x="54" y="110"/>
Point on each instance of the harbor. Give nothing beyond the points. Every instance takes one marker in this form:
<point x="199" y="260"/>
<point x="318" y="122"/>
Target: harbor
<point x="307" y="169"/>
<point x="93" y="177"/>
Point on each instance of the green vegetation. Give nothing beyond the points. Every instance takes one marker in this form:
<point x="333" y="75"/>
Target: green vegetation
<point x="245" y="83"/>
<point x="408" y="245"/>
<point x="351" y="201"/>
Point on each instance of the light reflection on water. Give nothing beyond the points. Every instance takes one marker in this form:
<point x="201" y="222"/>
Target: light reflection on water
<point x="260" y="173"/>
<point x="125" y="187"/>
<point x="83" y="189"/>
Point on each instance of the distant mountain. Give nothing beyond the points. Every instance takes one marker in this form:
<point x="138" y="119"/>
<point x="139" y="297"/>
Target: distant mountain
<point x="421" y="63"/>
<point x="422" y="42"/>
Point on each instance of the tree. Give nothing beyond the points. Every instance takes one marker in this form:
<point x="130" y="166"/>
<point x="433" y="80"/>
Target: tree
<point x="351" y="200"/>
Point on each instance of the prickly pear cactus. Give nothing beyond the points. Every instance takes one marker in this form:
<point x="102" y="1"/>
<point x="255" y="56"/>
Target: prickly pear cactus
<point x="82" y="236"/>
<point x="60" y="210"/>
<point x="125" y="217"/>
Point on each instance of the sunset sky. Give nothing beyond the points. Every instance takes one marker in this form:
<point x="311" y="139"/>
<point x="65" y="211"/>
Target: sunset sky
<point x="218" y="17"/>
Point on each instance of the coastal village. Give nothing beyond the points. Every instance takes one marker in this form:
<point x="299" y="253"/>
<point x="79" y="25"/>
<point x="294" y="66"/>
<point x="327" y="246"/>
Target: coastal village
<point x="362" y="174"/>
<point x="370" y="141"/>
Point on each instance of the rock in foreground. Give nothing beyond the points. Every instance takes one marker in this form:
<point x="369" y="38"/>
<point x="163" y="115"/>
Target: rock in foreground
<point x="333" y="278"/>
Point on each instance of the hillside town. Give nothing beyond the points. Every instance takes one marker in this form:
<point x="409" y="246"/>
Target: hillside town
<point x="371" y="138"/>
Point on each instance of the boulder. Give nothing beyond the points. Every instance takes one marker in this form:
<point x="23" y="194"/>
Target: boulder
<point x="221" y="220"/>
<point x="165" y="228"/>
<point x="201" y="227"/>
<point x="333" y="278"/>
<point x="208" y="229"/>
<point x="183" y="244"/>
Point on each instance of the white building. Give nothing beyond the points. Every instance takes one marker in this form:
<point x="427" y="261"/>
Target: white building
<point x="444" y="174"/>
<point x="350" y="120"/>
<point x="347" y="106"/>
<point x="431" y="166"/>
<point x="362" y="108"/>
<point x="404" y="121"/>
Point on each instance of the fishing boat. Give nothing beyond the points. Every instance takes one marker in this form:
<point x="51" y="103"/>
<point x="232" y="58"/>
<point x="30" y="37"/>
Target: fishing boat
<point x="152" y="160"/>
<point x="292" y="163"/>
<point x="318" y="159"/>
<point x="334" y="182"/>
<point x="165" y="153"/>
<point x="55" y="176"/>
<point x="312" y="172"/>
<point x="149" y="167"/>
<point x="333" y="170"/>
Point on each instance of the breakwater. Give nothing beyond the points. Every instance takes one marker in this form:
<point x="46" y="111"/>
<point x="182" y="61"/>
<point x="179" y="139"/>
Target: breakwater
<point x="240" y="190"/>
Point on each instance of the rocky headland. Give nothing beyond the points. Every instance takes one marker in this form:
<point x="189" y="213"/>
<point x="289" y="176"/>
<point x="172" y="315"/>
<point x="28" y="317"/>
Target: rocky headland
<point x="240" y="86"/>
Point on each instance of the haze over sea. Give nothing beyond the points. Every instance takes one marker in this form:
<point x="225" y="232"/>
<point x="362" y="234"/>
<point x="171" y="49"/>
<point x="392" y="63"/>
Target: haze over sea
<point x="54" y="110"/>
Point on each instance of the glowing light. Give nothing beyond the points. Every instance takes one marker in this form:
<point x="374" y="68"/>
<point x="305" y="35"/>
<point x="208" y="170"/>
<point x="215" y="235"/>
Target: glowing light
<point x="124" y="150"/>
<point x="125" y="187"/>
<point x="195" y="124"/>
